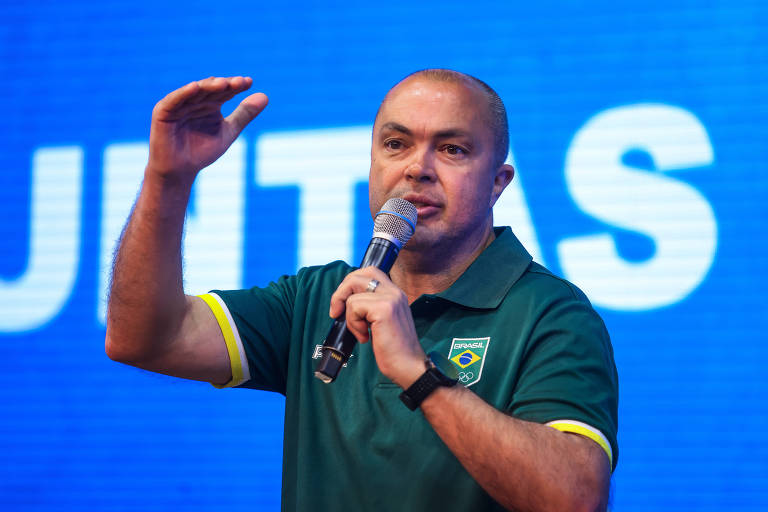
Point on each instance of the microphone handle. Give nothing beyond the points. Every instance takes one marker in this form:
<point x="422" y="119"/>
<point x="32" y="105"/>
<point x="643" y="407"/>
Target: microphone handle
<point x="381" y="253"/>
<point x="339" y="343"/>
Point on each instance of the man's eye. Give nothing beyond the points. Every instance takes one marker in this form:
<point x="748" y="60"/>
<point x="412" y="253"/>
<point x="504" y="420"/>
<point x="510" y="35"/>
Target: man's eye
<point x="393" y="144"/>
<point x="453" y="149"/>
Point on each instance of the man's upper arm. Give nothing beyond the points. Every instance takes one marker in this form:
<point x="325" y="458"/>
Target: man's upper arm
<point x="239" y="337"/>
<point x="197" y="352"/>
<point x="234" y="338"/>
<point x="569" y="381"/>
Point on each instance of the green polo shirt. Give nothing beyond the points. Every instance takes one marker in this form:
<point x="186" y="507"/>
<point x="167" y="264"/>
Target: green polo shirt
<point x="524" y="340"/>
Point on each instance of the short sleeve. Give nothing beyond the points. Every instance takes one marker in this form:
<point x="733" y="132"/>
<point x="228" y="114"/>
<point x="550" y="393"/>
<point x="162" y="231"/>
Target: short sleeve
<point x="568" y="379"/>
<point x="256" y="324"/>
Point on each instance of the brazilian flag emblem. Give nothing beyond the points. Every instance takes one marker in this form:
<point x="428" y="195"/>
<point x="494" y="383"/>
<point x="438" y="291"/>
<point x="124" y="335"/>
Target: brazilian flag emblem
<point x="468" y="354"/>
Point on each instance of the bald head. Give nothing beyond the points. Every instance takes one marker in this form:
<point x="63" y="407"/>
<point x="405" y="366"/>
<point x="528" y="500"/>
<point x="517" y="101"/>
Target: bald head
<point x="496" y="113"/>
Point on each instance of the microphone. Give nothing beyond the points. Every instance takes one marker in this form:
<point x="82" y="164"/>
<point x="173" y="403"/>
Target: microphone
<point x="392" y="228"/>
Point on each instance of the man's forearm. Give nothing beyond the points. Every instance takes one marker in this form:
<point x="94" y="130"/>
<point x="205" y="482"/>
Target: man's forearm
<point x="146" y="301"/>
<point x="523" y="465"/>
<point x="150" y="322"/>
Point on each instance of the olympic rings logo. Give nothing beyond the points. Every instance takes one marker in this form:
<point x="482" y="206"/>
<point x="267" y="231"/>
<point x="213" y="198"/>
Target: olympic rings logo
<point x="466" y="376"/>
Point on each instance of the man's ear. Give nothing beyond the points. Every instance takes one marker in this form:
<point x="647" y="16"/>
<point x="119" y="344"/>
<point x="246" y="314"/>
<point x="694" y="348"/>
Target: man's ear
<point x="501" y="179"/>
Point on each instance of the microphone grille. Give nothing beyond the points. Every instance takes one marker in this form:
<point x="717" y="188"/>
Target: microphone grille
<point x="396" y="221"/>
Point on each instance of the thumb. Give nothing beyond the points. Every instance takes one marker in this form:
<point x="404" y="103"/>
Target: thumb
<point x="246" y="111"/>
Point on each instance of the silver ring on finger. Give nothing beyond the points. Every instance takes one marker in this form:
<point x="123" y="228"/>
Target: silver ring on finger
<point x="372" y="285"/>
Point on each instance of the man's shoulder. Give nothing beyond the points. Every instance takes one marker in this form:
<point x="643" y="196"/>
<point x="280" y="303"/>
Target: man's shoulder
<point x="307" y="280"/>
<point x="329" y="274"/>
<point x="540" y="281"/>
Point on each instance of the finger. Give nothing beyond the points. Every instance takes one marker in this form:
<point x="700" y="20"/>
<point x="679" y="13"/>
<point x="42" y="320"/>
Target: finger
<point x="214" y="83"/>
<point x="234" y="85"/>
<point x="374" y="273"/>
<point x="217" y="88"/>
<point x="179" y="97"/>
<point x="191" y="94"/>
<point x="246" y="111"/>
<point x="356" y="316"/>
<point x="193" y="111"/>
<point x="354" y="282"/>
<point x="208" y="89"/>
<point x="211" y="104"/>
<point x="210" y="95"/>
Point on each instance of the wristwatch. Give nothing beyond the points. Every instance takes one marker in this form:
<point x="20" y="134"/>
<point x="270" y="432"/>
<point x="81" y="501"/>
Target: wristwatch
<point x="440" y="372"/>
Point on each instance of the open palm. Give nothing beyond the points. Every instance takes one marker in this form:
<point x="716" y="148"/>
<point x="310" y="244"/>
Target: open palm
<point x="188" y="131"/>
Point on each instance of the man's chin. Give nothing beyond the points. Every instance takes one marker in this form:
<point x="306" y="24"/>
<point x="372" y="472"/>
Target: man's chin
<point x="423" y="240"/>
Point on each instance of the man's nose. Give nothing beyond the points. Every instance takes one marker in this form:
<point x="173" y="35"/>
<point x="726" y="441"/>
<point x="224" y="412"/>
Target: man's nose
<point x="421" y="168"/>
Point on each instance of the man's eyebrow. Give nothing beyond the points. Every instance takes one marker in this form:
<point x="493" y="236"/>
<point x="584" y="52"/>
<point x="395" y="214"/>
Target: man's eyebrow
<point x="396" y="127"/>
<point x="453" y="132"/>
<point x="442" y="134"/>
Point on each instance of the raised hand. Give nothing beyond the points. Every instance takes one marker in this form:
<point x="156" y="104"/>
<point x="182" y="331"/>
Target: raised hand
<point x="188" y="131"/>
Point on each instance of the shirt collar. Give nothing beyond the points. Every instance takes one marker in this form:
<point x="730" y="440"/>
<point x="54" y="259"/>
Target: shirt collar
<point x="488" y="279"/>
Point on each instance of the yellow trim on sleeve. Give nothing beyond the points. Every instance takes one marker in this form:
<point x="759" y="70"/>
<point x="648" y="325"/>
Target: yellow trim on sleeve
<point x="229" y="338"/>
<point x="586" y="431"/>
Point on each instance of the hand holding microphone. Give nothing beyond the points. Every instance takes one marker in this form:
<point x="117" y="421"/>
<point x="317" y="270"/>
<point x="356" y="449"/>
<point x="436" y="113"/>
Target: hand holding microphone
<point x="393" y="226"/>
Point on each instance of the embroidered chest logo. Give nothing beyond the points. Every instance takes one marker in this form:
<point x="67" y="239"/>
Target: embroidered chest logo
<point x="469" y="356"/>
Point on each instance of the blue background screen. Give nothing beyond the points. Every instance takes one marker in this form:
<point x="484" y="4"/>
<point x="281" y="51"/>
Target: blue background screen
<point x="640" y="138"/>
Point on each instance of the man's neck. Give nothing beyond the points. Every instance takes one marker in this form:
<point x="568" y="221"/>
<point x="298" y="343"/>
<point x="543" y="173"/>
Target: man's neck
<point x="417" y="273"/>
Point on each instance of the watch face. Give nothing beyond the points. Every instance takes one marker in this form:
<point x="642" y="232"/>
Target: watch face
<point x="444" y="365"/>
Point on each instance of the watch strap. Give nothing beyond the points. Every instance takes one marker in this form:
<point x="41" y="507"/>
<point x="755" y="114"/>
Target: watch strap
<point x="429" y="381"/>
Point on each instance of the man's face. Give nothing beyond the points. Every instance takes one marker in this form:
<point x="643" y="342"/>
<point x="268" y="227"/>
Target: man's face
<point x="433" y="146"/>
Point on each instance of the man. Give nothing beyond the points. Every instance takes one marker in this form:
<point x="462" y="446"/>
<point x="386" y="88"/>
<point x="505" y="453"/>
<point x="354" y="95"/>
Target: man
<point x="537" y="430"/>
